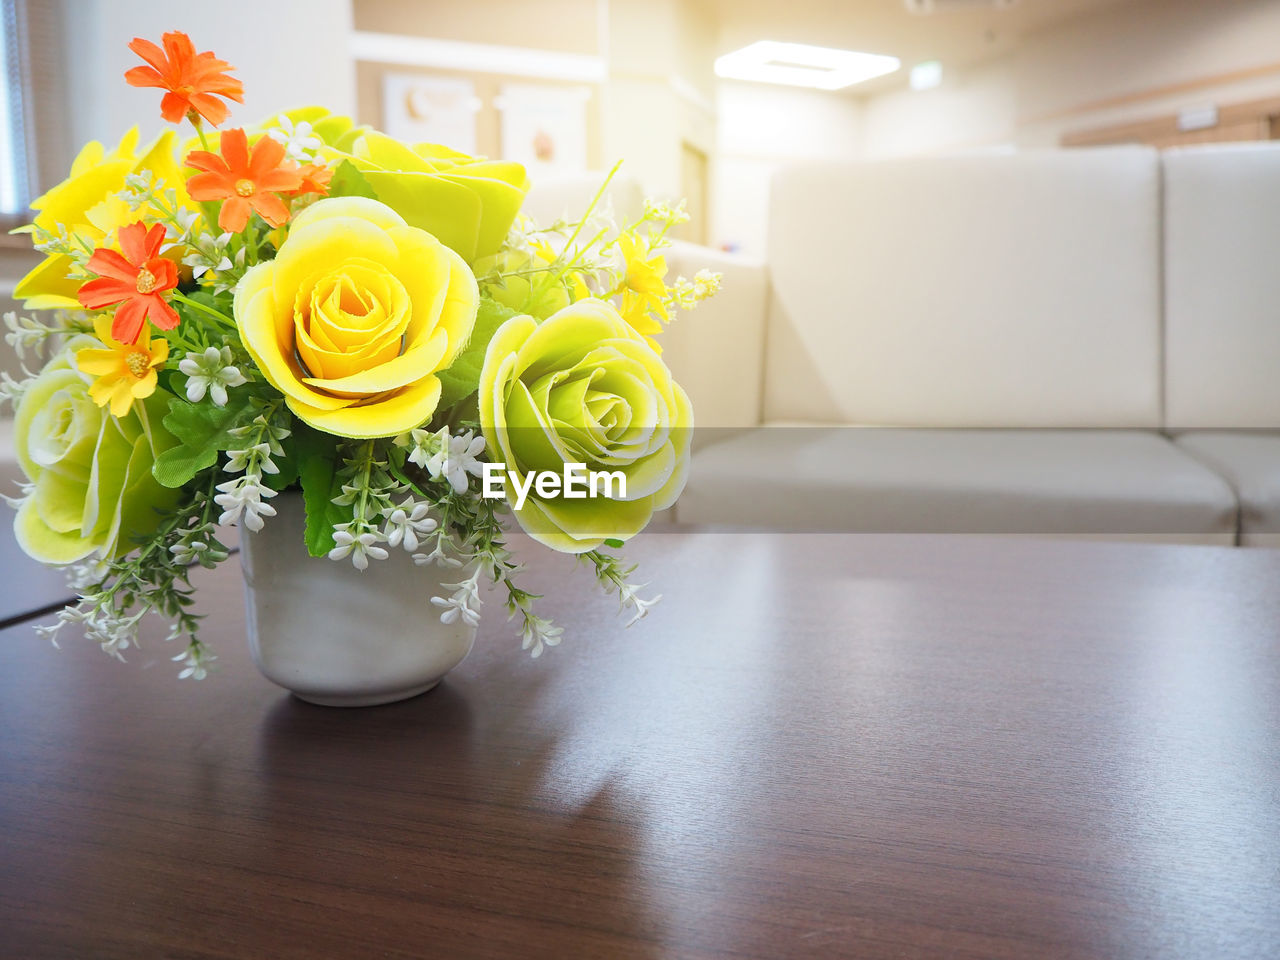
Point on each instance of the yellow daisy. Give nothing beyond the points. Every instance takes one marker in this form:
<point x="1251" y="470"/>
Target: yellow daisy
<point x="644" y="290"/>
<point x="125" y="371"/>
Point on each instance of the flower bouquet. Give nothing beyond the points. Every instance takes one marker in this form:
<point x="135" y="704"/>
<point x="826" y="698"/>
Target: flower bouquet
<point x="311" y="310"/>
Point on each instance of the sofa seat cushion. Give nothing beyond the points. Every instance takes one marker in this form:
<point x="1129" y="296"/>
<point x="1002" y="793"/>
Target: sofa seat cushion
<point x="1250" y="462"/>
<point x="1113" y="484"/>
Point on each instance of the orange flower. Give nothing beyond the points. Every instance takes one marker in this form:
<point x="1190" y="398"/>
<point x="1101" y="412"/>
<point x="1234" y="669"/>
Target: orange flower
<point x="243" y="180"/>
<point x="136" y="280"/>
<point x="193" y="81"/>
<point x="315" y="179"/>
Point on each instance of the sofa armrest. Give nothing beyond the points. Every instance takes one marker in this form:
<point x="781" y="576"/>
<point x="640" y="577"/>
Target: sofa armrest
<point x="716" y="351"/>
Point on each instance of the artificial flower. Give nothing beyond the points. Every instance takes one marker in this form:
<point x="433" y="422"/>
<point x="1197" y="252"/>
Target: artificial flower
<point x="90" y="473"/>
<point x="136" y="279"/>
<point x="407" y="522"/>
<point x="299" y="140"/>
<point x="467" y="203"/>
<point x="192" y="81"/>
<point x="354" y="317"/>
<point x="210" y="372"/>
<point x="584" y="387"/>
<point x="125" y="371"/>
<point x="244" y="181"/>
<point x="88" y="205"/>
<point x="304" y="125"/>
<point x="645" y="292"/>
<point x="315" y="179"/>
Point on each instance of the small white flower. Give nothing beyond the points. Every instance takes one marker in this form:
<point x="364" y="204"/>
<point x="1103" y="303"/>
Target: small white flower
<point x="185" y="554"/>
<point x="360" y="547"/>
<point x="438" y="556"/>
<point x="210" y="372"/>
<point x="299" y="142"/>
<point x="463" y="604"/>
<point x="424" y="444"/>
<point x="406" y="523"/>
<point x="537" y="632"/>
<point x="193" y="666"/>
<point x="455" y="458"/>
<point x="243" y="497"/>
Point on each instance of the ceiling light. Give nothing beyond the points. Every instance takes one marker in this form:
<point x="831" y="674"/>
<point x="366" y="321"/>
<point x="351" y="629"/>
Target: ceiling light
<point x="476" y="57"/>
<point x="800" y="65"/>
<point x="926" y="76"/>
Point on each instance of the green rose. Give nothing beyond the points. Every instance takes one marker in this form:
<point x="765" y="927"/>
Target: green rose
<point x="90" y="472"/>
<point x="467" y="203"/>
<point x="584" y="387"/>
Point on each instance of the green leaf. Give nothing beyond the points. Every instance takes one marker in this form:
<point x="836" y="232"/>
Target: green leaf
<point x="349" y="182"/>
<point x="203" y="431"/>
<point x="317" y="458"/>
<point x="463" y="376"/>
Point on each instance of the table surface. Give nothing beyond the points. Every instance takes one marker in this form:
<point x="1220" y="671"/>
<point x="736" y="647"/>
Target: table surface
<point x="25" y="585"/>
<point x="815" y="746"/>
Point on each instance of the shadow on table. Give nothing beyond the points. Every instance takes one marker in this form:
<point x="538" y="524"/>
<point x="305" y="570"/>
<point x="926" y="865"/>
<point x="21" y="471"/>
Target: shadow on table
<point x="449" y="816"/>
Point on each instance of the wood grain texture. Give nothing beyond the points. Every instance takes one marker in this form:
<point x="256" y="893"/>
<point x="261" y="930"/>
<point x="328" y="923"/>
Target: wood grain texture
<point x="817" y="746"/>
<point x="24" y="584"/>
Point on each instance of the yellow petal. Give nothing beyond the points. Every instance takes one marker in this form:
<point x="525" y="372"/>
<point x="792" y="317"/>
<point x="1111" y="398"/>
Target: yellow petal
<point x="418" y="361"/>
<point x="98" y="362"/>
<point x="397" y="414"/>
<point x="257" y="313"/>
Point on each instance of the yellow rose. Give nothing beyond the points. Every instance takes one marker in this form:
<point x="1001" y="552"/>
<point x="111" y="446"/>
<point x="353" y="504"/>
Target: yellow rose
<point x="87" y="204"/>
<point x="354" y="317"/>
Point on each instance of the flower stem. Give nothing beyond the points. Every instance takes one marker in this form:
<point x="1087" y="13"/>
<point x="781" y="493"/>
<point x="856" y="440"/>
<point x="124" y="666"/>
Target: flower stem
<point x="203" y="308"/>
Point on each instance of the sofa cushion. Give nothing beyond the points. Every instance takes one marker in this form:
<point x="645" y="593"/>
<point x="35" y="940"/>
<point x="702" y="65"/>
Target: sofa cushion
<point x="982" y="291"/>
<point x="1222" y="286"/>
<point x="1250" y="462"/>
<point x="716" y="352"/>
<point x="1114" y="484"/>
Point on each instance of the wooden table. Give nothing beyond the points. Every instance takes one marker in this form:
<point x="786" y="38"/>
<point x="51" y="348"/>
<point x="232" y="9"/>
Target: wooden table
<point x="25" y="586"/>
<point x="816" y="746"/>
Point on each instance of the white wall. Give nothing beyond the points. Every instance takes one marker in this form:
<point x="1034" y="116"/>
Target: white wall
<point x="660" y="88"/>
<point x="1144" y="48"/>
<point x="287" y="53"/>
<point x="1057" y="79"/>
<point x="759" y="128"/>
<point x="971" y="110"/>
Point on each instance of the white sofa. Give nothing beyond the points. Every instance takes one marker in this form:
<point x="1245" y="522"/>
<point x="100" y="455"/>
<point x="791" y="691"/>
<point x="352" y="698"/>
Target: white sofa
<point x="1060" y="343"/>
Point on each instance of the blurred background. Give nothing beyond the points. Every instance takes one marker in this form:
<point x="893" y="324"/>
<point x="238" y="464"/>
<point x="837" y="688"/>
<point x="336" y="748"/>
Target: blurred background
<point x="572" y="85"/>
<point x="931" y="226"/>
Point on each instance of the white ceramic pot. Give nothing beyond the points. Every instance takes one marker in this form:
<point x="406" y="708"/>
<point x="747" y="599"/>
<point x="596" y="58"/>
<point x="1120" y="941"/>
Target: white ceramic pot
<point x="338" y="636"/>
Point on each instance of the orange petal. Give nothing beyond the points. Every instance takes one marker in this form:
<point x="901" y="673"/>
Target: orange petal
<point x="235" y="150"/>
<point x="234" y="214"/>
<point x="130" y="316"/>
<point x="134" y="241"/>
<point x="103" y="292"/>
<point x="108" y="263"/>
<point x="161" y="313"/>
<point x="143" y="77"/>
<point x="271" y="208"/>
<point x="149" y="52"/>
<point x="212" y="109"/>
<point x="174" y="107"/>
